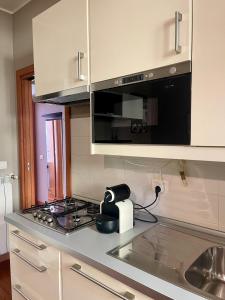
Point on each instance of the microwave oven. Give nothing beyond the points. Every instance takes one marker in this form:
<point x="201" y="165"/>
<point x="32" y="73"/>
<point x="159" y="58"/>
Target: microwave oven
<point x="152" y="107"/>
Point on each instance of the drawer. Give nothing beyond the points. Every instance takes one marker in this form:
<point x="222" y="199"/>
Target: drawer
<point x="37" y="279"/>
<point x="34" y="249"/>
<point x="28" y="239"/>
<point x="85" y="278"/>
<point x="22" y="292"/>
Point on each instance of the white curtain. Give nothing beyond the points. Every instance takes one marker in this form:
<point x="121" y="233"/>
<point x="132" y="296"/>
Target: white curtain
<point x="6" y="207"/>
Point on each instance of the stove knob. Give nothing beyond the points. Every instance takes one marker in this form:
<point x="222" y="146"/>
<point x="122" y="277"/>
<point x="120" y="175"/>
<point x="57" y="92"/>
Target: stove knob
<point x="35" y="214"/>
<point x="39" y="215"/>
<point x="44" y="218"/>
<point x="77" y="220"/>
<point x="49" y="219"/>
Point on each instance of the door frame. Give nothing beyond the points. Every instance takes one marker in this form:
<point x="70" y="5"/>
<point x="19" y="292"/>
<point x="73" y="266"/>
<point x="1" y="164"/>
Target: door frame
<point x="23" y="76"/>
<point x="58" y="133"/>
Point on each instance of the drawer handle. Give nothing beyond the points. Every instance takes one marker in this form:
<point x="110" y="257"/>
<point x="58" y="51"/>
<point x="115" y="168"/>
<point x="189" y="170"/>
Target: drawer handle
<point x="39" y="269"/>
<point x="80" y="55"/>
<point x="126" y="296"/>
<point x="178" y="19"/>
<point x="18" y="235"/>
<point x="18" y="289"/>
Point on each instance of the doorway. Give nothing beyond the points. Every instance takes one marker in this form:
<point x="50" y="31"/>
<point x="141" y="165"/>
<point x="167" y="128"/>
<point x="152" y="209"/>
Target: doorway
<point x="43" y="176"/>
<point x="54" y="153"/>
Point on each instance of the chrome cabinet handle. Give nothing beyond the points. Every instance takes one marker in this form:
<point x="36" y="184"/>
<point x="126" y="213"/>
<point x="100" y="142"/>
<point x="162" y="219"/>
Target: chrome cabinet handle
<point x="18" y="289"/>
<point x="178" y="19"/>
<point x="126" y="296"/>
<point x="17" y="234"/>
<point x="80" y="55"/>
<point x="39" y="269"/>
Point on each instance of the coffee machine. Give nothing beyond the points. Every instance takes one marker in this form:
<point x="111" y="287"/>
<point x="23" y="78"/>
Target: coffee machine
<point x="116" y="210"/>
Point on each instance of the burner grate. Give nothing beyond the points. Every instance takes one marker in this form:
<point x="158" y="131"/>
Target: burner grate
<point x="64" y="215"/>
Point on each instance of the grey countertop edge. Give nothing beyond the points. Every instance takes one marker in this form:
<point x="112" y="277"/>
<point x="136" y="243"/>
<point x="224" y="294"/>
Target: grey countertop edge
<point x="91" y="246"/>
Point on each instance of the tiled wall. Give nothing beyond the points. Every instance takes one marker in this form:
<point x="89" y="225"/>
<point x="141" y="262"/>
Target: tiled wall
<point x="201" y="201"/>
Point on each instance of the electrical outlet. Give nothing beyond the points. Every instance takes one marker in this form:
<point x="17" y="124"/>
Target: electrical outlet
<point x="164" y="185"/>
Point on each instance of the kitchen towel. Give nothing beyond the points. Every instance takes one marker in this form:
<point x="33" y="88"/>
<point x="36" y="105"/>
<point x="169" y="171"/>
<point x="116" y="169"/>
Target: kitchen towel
<point x="6" y="206"/>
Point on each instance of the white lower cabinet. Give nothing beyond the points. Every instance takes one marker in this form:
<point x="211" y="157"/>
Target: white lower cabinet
<point x="35" y="268"/>
<point x="41" y="272"/>
<point x="85" y="282"/>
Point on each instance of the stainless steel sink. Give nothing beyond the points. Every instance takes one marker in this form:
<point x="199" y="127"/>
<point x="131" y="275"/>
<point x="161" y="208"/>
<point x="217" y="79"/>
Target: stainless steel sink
<point x="207" y="273"/>
<point x="179" y="255"/>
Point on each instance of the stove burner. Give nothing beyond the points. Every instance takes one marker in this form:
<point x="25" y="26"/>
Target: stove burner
<point x="93" y="209"/>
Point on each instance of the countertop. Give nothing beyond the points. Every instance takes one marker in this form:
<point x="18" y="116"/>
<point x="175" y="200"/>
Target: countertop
<point x="90" y="244"/>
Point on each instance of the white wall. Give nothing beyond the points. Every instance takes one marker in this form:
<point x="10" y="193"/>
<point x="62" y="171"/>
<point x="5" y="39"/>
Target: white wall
<point x="16" y="52"/>
<point x="22" y="20"/>
<point x="201" y="202"/>
<point x="8" y="126"/>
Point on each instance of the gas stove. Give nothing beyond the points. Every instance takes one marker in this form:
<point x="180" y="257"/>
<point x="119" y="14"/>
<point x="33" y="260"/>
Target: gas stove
<point x="63" y="216"/>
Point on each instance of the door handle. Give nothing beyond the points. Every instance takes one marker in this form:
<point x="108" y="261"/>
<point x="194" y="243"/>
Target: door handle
<point x="39" y="269"/>
<point x="18" y="289"/>
<point x="126" y="296"/>
<point x="80" y="56"/>
<point x="178" y="19"/>
<point x="18" y="235"/>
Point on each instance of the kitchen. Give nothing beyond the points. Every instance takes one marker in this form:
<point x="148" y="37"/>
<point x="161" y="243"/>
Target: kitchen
<point x="137" y="54"/>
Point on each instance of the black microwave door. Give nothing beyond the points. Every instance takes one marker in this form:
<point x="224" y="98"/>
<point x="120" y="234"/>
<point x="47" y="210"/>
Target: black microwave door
<point x="150" y="112"/>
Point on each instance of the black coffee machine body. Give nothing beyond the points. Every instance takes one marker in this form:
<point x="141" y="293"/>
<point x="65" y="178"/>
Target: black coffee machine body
<point x="116" y="210"/>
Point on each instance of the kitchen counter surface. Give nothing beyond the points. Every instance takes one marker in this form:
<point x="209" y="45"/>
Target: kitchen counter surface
<point x="92" y="245"/>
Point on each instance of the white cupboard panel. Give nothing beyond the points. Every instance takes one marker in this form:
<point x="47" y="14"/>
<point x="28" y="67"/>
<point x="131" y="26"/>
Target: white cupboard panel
<point x="35" y="284"/>
<point x="85" y="289"/>
<point x="22" y="292"/>
<point x="155" y="151"/>
<point x="59" y="33"/>
<point x="44" y="285"/>
<point x="208" y="92"/>
<point x="135" y="35"/>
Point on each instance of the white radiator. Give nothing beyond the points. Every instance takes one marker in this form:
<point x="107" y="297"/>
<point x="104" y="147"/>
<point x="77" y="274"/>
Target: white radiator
<point x="6" y="207"/>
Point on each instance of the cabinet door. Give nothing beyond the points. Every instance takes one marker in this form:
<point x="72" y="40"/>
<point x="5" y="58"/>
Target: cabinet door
<point x="83" y="282"/>
<point x="208" y="73"/>
<point x="131" y="36"/>
<point x="34" y="267"/>
<point x="59" y="34"/>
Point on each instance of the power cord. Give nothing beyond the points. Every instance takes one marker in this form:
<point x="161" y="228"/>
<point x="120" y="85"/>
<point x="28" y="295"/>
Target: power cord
<point x="145" y="208"/>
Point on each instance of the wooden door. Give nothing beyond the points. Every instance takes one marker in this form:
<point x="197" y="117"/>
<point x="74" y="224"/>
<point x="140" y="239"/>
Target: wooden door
<point x="59" y="33"/>
<point x="26" y="136"/>
<point x="54" y="159"/>
<point x="27" y="142"/>
<point x="136" y="35"/>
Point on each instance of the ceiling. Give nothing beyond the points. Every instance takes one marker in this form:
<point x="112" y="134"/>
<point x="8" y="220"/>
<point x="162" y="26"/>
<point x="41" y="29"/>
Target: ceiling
<point x="12" y="6"/>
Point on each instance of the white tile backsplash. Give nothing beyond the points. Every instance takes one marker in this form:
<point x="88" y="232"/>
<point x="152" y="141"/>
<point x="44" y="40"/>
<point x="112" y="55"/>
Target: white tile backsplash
<point x="82" y="126"/>
<point x="80" y="146"/>
<point x="201" y="202"/>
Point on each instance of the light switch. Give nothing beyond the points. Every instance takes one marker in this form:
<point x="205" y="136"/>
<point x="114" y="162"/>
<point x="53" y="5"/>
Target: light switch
<point x="41" y="156"/>
<point x="3" y="165"/>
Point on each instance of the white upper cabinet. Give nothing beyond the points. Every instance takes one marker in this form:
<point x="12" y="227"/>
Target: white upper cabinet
<point x="60" y="41"/>
<point x="208" y="74"/>
<point x="135" y="35"/>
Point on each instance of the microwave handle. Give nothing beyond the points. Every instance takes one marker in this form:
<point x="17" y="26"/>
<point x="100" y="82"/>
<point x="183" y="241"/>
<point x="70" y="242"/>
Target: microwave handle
<point x="178" y="19"/>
